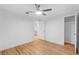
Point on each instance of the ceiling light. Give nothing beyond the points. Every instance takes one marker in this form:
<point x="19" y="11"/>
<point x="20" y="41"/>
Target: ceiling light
<point x="38" y="12"/>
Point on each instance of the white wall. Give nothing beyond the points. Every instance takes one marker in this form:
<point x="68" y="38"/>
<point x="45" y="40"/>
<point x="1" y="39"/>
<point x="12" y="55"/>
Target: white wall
<point x="14" y="31"/>
<point x="55" y="30"/>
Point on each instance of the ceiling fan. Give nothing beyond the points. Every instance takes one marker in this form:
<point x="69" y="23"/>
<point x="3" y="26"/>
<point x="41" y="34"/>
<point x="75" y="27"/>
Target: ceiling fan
<point x="39" y="12"/>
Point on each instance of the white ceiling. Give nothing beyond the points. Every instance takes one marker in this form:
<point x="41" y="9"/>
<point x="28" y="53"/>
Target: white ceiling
<point x="20" y="9"/>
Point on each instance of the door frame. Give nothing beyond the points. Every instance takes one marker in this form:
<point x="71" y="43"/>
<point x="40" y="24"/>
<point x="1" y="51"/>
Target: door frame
<point x="76" y="33"/>
<point x="75" y="30"/>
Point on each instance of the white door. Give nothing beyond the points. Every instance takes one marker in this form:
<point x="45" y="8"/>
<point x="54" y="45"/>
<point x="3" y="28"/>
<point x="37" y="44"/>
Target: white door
<point x="67" y="32"/>
<point x="70" y="32"/>
<point x="39" y="29"/>
<point x="73" y="35"/>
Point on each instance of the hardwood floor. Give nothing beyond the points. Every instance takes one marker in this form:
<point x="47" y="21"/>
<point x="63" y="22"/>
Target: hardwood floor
<point x="40" y="47"/>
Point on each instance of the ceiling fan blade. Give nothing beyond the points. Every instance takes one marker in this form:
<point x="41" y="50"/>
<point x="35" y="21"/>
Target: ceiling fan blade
<point x="47" y="10"/>
<point x="29" y="12"/>
<point x="37" y="6"/>
<point x="44" y="14"/>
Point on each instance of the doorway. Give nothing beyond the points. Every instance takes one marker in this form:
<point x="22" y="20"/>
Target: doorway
<point x="70" y="36"/>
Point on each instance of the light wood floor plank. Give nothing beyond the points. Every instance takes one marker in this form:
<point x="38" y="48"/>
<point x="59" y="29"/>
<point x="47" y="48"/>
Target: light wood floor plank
<point x="40" y="47"/>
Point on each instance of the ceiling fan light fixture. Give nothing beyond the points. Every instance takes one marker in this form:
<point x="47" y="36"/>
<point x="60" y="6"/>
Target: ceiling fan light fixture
<point x="38" y="12"/>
